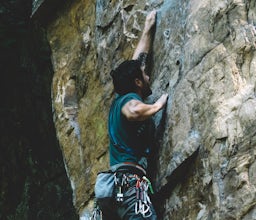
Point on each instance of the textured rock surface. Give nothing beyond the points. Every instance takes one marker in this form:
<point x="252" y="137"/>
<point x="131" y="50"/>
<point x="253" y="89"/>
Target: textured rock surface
<point x="204" y="57"/>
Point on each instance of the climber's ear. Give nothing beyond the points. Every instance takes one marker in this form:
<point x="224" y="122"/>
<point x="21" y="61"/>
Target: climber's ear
<point x="138" y="82"/>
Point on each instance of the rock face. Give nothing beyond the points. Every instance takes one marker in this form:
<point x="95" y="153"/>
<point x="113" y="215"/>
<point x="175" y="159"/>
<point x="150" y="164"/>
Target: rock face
<point x="204" y="57"/>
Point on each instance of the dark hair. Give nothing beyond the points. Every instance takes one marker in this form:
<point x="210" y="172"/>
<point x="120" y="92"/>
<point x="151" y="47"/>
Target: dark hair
<point x="124" y="76"/>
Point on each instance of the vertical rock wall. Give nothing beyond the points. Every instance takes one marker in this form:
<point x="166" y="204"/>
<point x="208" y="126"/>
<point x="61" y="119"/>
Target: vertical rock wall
<point x="204" y="57"/>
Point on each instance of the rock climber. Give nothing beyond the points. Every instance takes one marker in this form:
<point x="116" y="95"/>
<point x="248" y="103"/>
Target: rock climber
<point x="129" y="126"/>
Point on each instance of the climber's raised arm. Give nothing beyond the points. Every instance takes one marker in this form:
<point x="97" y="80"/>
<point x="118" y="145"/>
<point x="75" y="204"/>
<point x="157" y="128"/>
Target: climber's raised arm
<point x="129" y="129"/>
<point x="145" y="41"/>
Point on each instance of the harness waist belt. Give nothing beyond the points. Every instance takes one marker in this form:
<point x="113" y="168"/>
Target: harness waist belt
<point x="128" y="165"/>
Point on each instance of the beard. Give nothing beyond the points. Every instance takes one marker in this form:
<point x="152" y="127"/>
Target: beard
<point x="146" y="91"/>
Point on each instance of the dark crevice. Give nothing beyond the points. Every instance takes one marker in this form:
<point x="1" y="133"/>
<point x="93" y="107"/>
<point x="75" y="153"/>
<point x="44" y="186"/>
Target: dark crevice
<point x="128" y="8"/>
<point x="47" y="10"/>
<point x="34" y="184"/>
<point x="180" y="175"/>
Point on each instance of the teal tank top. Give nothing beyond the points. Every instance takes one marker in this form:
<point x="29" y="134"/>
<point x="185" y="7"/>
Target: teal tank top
<point x="129" y="140"/>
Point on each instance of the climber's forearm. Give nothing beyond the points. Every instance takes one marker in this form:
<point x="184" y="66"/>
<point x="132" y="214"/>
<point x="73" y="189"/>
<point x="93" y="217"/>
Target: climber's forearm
<point x="146" y="37"/>
<point x="135" y="110"/>
<point x="143" y="45"/>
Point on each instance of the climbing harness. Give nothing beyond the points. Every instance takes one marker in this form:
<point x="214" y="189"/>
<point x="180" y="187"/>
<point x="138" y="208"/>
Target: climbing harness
<point x="123" y="181"/>
<point x="127" y="176"/>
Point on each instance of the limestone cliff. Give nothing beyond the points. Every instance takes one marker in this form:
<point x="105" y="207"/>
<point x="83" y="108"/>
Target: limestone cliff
<point x="204" y="57"/>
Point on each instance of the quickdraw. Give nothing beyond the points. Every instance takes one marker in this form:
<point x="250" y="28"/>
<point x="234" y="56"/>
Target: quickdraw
<point x="120" y="183"/>
<point x="143" y="202"/>
<point x="97" y="213"/>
